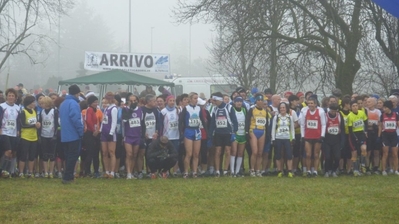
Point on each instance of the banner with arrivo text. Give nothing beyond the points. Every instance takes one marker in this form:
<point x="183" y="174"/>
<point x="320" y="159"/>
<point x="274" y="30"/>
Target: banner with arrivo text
<point x="131" y="62"/>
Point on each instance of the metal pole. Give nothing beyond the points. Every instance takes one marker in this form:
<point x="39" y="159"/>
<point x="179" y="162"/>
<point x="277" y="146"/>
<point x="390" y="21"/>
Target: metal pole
<point x="189" y="52"/>
<point x="151" y="38"/>
<point x="59" y="40"/>
<point x="130" y="26"/>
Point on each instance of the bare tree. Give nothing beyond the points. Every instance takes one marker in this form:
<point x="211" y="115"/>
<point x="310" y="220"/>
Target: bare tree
<point x="18" y="22"/>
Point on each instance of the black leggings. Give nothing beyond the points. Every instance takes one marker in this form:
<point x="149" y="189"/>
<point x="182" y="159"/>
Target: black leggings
<point x="164" y="165"/>
<point x="92" y="146"/>
<point x="27" y="150"/>
<point x="48" y="148"/>
<point x="204" y="151"/>
<point x="332" y="155"/>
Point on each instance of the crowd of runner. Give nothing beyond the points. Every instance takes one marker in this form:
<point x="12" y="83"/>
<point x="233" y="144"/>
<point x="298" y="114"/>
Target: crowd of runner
<point x="132" y="135"/>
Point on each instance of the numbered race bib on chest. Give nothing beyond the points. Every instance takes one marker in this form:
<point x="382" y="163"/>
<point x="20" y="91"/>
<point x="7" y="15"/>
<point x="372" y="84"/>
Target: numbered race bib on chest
<point x="221" y="122"/>
<point x="194" y="122"/>
<point x="260" y="121"/>
<point x="333" y="130"/>
<point x="346" y="121"/>
<point x="241" y="125"/>
<point x="150" y="123"/>
<point x="134" y="122"/>
<point x="47" y="123"/>
<point x="358" y="124"/>
<point x="312" y="124"/>
<point x="11" y="124"/>
<point x="390" y="125"/>
<point x="283" y="130"/>
<point x="173" y="125"/>
<point x="105" y="120"/>
<point x="372" y="122"/>
<point x="32" y="121"/>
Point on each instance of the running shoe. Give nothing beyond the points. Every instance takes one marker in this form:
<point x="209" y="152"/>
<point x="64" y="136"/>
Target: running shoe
<point x="50" y="175"/>
<point x="140" y="176"/>
<point x="59" y="175"/>
<point x="234" y="175"/>
<point x="290" y="175"/>
<point x="153" y="176"/>
<point x="280" y="174"/>
<point x="356" y="173"/>
<point x="364" y="170"/>
<point x="396" y="172"/>
<point x="5" y="174"/>
<point x="185" y="176"/>
<point x="217" y="175"/>
<point x="252" y="173"/>
<point x="377" y="172"/>
<point x="334" y="174"/>
<point x="117" y="175"/>
<point x="384" y="173"/>
<point x="129" y="176"/>
<point x="29" y="175"/>
<point x="258" y="174"/>
<point x="391" y="171"/>
<point x="174" y="174"/>
<point x="21" y="175"/>
<point x="326" y="175"/>
<point x="308" y="174"/>
<point x="314" y="174"/>
<point x="46" y="175"/>
<point x="42" y="174"/>
<point x="37" y="175"/>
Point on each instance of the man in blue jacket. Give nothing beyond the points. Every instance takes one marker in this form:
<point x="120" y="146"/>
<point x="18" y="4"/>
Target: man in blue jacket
<point x="71" y="131"/>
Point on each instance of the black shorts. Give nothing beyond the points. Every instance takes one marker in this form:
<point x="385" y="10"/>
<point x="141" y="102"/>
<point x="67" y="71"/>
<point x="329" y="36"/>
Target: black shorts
<point x="312" y="141"/>
<point x="10" y="143"/>
<point x="120" y="148"/>
<point x="48" y="149"/>
<point x="59" y="148"/>
<point x="222" y="140"/>
<point x="357" y="140"/>
<point x="389" y="139"/>
<point x="27" y="150"/>
<point x="346" y="152"/>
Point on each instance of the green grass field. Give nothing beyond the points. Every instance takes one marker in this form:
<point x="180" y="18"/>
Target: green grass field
<point x="345" y="199"/>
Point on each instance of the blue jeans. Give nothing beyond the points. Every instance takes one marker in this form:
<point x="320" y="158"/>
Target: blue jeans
<point x="71" y="150"/>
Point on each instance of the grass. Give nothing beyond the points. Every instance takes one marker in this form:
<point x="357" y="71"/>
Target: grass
<point x="203" y="200"/>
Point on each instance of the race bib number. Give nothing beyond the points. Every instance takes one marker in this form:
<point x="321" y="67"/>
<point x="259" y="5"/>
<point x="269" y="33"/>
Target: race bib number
<point x="32" y="121"/>
<point x="194" y="122"/>
<point x="283" y="130"/>
<point x="346" y="121"/>
<point x="390" y="125"/>
<point x="221" y="123"/>
<point x="173" y="125"/>
<point x="134" y="122"/>
<point x="241" y="125"/>
<point x="46" y="123"/>
<point x="333" y="130"/>
<point x="260" y="121"/>
<point x="11" y="124"/>
<point x="373" y="122"/>
<point x="312" y="124"/>
<point x="358" y="124"/>
<point x="105" y="120"/>
<point x="150" y="123"/>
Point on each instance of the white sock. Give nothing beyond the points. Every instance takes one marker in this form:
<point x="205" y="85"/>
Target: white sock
<point x="112" y="173"/>
<point x="238" y="165"/>
<point x="232" y="163"/>
<point x="13" y="164"/>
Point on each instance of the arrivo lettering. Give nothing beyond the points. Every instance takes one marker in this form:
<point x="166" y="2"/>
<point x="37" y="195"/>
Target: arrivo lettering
<point x="132" y="61"/>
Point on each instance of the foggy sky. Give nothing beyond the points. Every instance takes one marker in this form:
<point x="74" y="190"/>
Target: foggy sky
<point x="147" y="14"/>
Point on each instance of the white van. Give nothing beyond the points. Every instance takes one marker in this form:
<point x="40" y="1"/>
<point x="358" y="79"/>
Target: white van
<point x="206" y="85"/>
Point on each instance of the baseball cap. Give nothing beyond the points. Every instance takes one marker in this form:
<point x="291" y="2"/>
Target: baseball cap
<point x="201" y="102"/>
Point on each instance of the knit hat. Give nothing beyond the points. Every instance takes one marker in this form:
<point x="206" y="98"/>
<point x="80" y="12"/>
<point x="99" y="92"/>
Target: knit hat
<point x="254" y="90"/>
<point x="73" y="90"/>
<point x="38" y="96"/>
<point x="28" y="100"/>
<point x="388" y="104"/>
<point x="91" y="100"/>
<point x="299" y="94"/>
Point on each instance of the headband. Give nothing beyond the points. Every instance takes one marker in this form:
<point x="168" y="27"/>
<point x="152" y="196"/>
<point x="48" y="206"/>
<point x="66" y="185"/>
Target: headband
<point x="218" y="98"/>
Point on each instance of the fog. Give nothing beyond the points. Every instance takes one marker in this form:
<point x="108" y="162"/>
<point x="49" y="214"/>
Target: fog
<point x="103" y="25"/>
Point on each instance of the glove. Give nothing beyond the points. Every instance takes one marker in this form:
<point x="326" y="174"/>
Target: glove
<point x="378" y="140"/>
<point x="321" y="140"/>
<point x="209" y="143"/>
<point x="233" y="137"/>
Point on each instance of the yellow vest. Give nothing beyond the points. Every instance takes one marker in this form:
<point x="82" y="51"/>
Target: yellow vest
<point x="346" y="122"/>
<point x="356" y="121"/>
<point x="258" y="119"/>
<point x="29" y="134"/>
